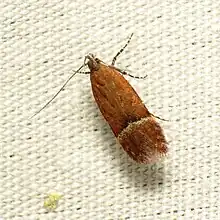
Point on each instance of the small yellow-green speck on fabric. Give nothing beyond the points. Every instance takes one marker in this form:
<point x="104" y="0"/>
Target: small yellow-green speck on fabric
<point x="51" y="201"/>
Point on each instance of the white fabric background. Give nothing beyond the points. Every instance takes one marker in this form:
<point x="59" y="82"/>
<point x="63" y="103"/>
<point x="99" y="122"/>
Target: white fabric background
<point x="68" y="148"/>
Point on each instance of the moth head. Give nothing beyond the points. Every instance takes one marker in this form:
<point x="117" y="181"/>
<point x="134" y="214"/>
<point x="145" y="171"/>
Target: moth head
<point x="92" y="62"/>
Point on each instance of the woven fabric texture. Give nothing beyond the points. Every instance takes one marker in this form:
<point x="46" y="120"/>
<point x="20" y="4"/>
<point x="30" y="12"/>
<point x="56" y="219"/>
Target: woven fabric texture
<point x="69" y="149"/>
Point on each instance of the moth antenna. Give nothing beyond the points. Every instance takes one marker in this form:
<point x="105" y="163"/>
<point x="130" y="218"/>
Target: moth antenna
<point x="58" y="91"/>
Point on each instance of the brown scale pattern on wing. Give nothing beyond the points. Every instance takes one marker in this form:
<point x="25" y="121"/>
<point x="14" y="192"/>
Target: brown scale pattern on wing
<point x="116" y="99"/>
<point x="144" y="141"/>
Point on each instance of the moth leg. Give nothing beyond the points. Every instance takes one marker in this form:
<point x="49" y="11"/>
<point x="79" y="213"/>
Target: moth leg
<point x="84" y="72"/>
<point x="158" y="117"/>
<point x="125" y="73"/>
<point x="122" y="49"/>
